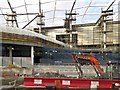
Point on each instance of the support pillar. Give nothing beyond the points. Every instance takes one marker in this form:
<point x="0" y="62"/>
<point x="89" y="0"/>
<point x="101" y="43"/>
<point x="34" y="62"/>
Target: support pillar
<point x="71" y="41"/>
<point x="10" y="55"/>
<point x="32" y="55"/>
<point x="104" y="35"/>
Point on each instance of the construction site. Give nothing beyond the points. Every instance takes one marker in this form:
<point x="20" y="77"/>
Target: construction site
<point x="60" y="45"/>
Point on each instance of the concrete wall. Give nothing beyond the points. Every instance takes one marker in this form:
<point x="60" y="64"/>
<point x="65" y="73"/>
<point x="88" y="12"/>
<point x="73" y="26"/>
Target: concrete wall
<point x="85" y="35"/>
<point x="53" y="32"/>
<point x="18" y="61"/>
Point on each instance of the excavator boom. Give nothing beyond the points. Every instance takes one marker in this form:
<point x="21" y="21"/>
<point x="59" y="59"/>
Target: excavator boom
<point x="83" y="58"/>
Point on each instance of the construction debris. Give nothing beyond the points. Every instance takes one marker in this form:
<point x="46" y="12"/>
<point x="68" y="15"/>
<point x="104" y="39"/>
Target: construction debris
<point x="50" y="74"/>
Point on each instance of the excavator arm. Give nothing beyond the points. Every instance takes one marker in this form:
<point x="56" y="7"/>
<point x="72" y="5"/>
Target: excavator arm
<point x="78" y="66"/>
<point x="83" y="58"/>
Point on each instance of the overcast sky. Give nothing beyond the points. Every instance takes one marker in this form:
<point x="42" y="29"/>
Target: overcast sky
<point x="54" y="10"/>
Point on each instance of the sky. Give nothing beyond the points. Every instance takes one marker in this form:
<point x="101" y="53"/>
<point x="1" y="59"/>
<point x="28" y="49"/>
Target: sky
<point x="88" y="11"/>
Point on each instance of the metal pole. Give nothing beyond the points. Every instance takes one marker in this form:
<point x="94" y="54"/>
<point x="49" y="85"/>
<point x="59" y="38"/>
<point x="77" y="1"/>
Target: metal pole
<point x="30" y="21"/>
<point x="104" y="35"/>
<point x="40" y="13"/>
<point x="72" y="8"/>
<point x="71" y="34"/>
<point x="13" y="12"/>
<point x="70" y="17"/>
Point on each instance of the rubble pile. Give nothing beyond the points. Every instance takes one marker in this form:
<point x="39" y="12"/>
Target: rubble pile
<point x="50" y="74"/>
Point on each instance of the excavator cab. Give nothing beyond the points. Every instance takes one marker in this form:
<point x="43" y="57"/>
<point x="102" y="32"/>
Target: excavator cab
<point x="85" y="59"/>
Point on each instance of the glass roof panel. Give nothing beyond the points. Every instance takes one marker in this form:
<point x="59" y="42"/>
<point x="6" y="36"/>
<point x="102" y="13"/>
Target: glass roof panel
<point x="88" y="11"/>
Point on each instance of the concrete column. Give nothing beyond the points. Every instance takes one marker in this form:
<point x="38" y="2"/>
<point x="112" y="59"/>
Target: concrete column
<point x="10" y="55"/>
<point x="32" y="55"/>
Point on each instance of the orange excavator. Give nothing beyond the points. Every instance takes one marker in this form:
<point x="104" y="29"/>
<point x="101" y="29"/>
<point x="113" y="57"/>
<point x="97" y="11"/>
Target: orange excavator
<point x="81" y="59"/>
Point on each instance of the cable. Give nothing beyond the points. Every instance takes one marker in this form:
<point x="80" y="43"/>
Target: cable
<point x="4" y="8"/>
<point x="64" y="0"/>
<point x="47" y="2"/>
<point x="23" y="5"/>
<point x="2" y="13"/>
<point x="54" y="11"/>
<point x="55" y="18"/>
<point x="86" y="10"/>
<point x="23" y="21"/>
<point x="26" y="10"/>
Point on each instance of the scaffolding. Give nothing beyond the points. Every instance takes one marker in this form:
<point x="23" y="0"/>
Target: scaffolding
<point x="103" y="33"/>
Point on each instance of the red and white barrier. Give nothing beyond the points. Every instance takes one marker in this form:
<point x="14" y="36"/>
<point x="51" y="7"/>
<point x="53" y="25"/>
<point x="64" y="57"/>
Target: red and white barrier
<point x="71" y="83"/>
